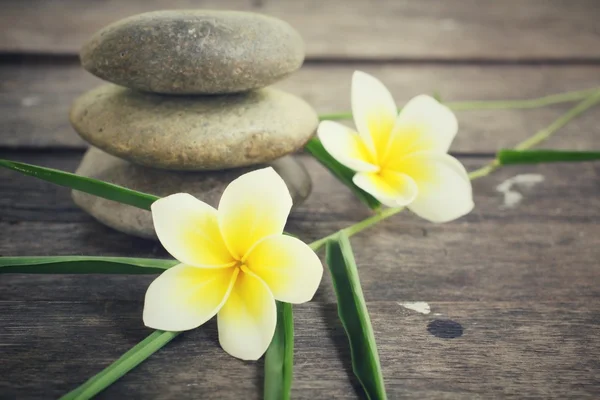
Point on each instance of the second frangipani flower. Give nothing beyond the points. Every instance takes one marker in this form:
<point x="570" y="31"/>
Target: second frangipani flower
<point x="235" y="262"/>
<point x="401" y="159"/>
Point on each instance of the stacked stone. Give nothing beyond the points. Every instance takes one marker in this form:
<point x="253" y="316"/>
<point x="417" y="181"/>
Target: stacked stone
<point x="189" y="109"/>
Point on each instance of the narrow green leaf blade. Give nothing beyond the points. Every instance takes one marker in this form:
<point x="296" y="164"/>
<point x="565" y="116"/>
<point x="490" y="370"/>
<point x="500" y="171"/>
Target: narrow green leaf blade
<point x="344" y="174"/>
<point x="84" y="265"/>
<point x="279" y="360"/>
<point x="354" y="316"/>
<point x="509" y="156"/>
<point x="81" y="183"/>
<point x="123" y="365"/>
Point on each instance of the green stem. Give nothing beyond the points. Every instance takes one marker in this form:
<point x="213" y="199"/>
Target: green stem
<point x="358" y="227"/>
<point x="539" y="102"/>
<point x="335" y="116"/>
<point x="368" y="222"/>
<point x="543" y="134"/>
<point x="564" y="119"/>
<point x="485" y="170"/>
<point x="124" y="364"/>
<point x="566" y="97"/>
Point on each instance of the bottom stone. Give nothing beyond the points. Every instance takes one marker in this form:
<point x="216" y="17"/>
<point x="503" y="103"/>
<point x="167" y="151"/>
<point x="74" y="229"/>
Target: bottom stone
<point x="207" y="186"/>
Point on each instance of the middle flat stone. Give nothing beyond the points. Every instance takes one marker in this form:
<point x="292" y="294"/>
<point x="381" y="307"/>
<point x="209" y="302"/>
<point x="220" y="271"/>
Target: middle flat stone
<point x="193" y="132"/>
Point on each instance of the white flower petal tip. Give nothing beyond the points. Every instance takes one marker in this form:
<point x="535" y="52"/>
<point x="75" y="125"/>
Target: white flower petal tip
<point x="441" y="218"/>
<point x="445" y="191"/>
<point x="427" y="105"/>
<point x="374" y="111"/>
<point x="247" y="320"/>
<point x="289" y="267"/>
<point x="436" y="123"/>
<point x="253" y="206"/>
<point x="345" y="146"/>
<point x="362" y="80"/>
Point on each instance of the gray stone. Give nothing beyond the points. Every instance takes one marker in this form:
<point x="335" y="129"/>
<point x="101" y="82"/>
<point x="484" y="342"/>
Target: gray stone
<point x="191" y="132"/>
<point x="194" y="52"/>
<point x="206" y="186"/>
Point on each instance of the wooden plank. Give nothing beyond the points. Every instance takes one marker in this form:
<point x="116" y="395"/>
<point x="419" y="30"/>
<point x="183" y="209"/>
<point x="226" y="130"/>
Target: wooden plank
<point x="354" y="29"/>
<point x="567" y="194"/>
<point x="507" y="349"/>
<point x="35" y="99"/>
<point x="519" y="283"/>
<point x="544" y="248"/>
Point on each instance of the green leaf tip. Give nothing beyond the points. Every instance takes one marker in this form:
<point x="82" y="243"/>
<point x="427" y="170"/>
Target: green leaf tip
<point x="88" y="185"/>
<point x="353" y="313"/>
<point x="124" y="364"/>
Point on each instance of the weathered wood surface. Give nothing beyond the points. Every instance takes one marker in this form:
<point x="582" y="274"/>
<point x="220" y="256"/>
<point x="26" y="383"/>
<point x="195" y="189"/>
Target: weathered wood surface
<point x="508" y="349"/>
<point x="514" y="295"/>
<point x="401" y="29"/>
<point x="521" y="282"/>
<point x="549" y="233"/>
<point x="35" y="99"/>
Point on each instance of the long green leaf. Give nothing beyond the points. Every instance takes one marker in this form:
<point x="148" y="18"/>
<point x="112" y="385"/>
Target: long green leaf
<point x="81" y="183"/>
<point x="84" y="265"/>
<point x="354" y="316"/>
<point x="344" y="174"/>
<point x="509" y="156"/>
<point x="279" y="360"/>
<point x="126" y="363"/>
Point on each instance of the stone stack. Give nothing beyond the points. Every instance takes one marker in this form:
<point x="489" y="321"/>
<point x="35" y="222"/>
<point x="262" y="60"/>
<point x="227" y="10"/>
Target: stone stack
<point x="189" y="109"/>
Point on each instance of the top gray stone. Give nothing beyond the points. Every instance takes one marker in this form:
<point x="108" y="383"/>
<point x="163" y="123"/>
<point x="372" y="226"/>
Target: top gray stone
<point x="194" y="52"/>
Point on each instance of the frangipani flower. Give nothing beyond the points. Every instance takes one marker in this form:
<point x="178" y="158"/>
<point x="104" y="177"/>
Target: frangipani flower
<point x="234" y="263"/>
<point x="401" y="159"/>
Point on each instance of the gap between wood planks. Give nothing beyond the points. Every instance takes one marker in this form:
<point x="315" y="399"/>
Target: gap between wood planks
<point x="70" y="58"/>
<point x="37" y="98"/>
<point x="350" y="29"/>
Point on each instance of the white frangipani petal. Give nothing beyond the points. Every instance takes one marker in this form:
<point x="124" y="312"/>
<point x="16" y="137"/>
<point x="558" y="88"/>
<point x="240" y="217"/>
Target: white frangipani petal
<point x="445" y="191"/>
<point x="185" y="297"/>
<point x="345" y="146"/>
<point x="290" y="268"/>
<point x="392" y="189"/>
<point x="424" y="124"/>
<point x="188" y="228"/>
<point x="247" y="320"/>
<point x="253" y="206"/>
<point x="374" y="111"/>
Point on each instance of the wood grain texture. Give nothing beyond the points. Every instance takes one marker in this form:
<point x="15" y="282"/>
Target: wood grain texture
<point x="35" y="100"/>
<point x="521" y="282"/>
<point x="516" y="349"/>
<point x="401" y="29"/>
<point x="544" y="248"/>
